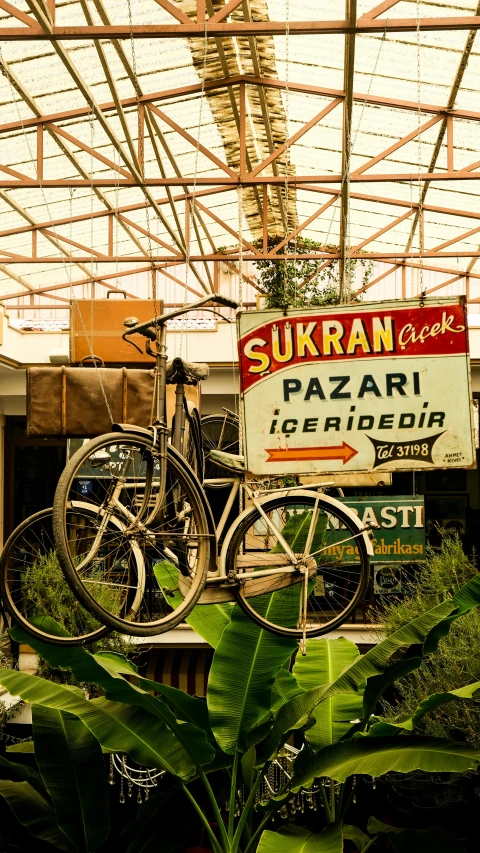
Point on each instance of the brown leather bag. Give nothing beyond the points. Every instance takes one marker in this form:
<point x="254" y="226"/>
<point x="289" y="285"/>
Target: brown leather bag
<point x="69" y="401"/>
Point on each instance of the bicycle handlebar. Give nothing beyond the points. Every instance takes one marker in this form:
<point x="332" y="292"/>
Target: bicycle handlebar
<point x="148" y="329"/>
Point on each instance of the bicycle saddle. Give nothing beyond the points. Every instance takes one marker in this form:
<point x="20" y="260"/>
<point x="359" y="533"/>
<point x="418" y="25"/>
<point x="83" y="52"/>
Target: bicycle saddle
<point x="180" y="372"/>
<point x="228" y="460"/>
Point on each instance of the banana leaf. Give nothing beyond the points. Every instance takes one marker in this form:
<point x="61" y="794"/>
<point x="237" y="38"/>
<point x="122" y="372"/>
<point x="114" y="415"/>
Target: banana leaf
<point x="118" y="727"/>
<point x="295" y="532"/>
<point x="299" y="839"/>
<point x="285" y="687"/>
<point x="372" y="667"/>
<point x="190" y="709"/>
<point x="34" y="813"/>
<point x="106" y="671"/>
<point x="323" y="664"/>
<point x="26" y="774"/>
<point x="436" y="700"/>
<point x="208" y="620"/>
<point x="359" y="838"/>
<point x="72" y="767"/>
<point x="245" y="665"/>
<point x="377" y="756"/>
<point x="187" y="708"/>
<point x="24" y="747"/>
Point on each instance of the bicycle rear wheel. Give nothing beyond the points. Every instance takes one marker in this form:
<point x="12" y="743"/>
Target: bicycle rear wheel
<point x="33" y="589"/>
<point x="174" y="547"/>
<point x="219" y="432"/>
<point x="324" y="539"/>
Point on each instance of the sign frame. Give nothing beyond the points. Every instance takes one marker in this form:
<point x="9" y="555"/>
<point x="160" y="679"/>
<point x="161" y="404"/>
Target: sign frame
<point x="410" y="358"/>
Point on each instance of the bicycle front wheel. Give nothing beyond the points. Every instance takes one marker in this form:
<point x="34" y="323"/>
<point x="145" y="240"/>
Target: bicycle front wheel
<point x="270" y="585"/>
<point x="146" y="597"/>
<point x="33" y="588"/>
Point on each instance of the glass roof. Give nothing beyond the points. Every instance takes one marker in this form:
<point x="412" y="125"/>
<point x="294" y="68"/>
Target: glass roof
<point x="428" y="71"/>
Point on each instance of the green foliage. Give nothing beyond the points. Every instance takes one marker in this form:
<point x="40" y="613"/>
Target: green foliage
<point x="298" y="839"/>
<point x="300" y="282"/>
<point x="455" y="662"/>
<point x="254" y="705"/>
<point x="44" y="591"/>
<point x="324" y="662"/>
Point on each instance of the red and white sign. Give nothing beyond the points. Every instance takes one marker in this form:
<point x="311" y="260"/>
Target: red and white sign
<point x="383" y="386"/>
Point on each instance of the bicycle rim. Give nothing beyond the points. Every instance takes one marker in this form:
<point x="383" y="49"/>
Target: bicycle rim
<point x="219" y="432"/>
<point x="34" y="590"/>
<point x="147" y="598"/>
<point x="336" y="561"/>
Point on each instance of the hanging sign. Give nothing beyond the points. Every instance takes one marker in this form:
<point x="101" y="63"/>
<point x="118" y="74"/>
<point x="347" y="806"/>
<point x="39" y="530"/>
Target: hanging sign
<point x="398" y="529"/>
<point x="382" y="386"/>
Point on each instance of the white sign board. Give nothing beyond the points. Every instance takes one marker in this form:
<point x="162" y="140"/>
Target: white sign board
<point x="381" y="386"/>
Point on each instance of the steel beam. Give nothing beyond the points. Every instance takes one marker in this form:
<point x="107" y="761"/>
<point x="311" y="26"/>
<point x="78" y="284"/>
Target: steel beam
<point x="247" y="181"/>
<point x="393" y="257"/>
<point x="238" y="28"/>
<point x="234" y="80"/>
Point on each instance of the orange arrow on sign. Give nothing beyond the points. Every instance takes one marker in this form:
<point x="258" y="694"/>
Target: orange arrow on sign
<point x="301" y="454"/>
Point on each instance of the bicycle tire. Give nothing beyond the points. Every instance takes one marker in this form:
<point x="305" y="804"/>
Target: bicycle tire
<point x="192" y="450"/>
<point x="219" y="432"/>
<point x="10" y="563"/>
<point x="190" y="593"/>
<point x="242" y="590"/>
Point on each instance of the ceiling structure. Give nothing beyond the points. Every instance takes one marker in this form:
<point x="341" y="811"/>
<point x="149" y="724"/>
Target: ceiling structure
<point x="183" y="135"/>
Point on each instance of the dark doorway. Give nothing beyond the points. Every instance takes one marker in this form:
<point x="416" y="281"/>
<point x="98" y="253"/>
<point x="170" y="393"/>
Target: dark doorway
<point x="32" y="468"/>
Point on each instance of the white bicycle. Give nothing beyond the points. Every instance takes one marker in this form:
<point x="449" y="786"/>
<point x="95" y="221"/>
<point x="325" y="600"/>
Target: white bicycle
<point x="305" y="546"/>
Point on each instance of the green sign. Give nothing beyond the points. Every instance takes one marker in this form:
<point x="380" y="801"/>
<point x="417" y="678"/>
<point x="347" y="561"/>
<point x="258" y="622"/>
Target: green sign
<point x="399" y="528"/>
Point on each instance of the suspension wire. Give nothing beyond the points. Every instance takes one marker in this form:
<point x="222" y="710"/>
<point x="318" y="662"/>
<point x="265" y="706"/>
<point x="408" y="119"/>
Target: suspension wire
<point x="421" y="235"/>
<point x="116" y="196"/>
<point x="190" y="203"/>
<point x="360" y="119"/>
<point x="142" y="169"/>
<point x="67" y="267"/>
<point x="287" y="152"/>
<point x="240" y="244"/>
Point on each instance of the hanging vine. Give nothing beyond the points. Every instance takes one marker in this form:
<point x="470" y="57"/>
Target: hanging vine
<point x="305" y="282"/>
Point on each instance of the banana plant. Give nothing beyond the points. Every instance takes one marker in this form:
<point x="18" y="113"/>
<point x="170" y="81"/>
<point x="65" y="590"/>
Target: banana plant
<point x="256" y="700"/>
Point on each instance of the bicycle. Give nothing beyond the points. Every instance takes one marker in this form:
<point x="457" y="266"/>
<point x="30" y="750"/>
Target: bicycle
<point x="291" y="541"/>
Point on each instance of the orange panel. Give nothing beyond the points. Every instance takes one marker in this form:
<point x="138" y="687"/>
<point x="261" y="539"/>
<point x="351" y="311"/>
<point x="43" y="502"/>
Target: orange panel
<point x="103" y="325"/>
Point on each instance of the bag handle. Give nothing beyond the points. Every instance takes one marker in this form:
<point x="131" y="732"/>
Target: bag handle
<point x="117" y="291"/>
<point x="93" y="358"/>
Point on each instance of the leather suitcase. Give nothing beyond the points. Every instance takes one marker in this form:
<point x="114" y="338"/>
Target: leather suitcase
<point x="69" y="401"/>
<point x="98" y="324"/>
